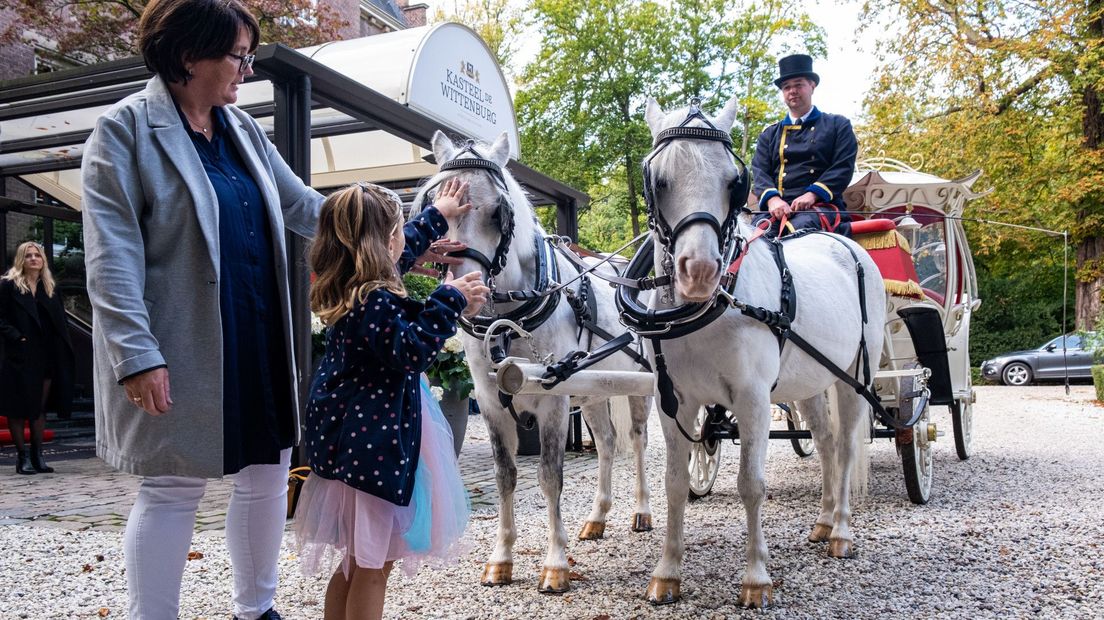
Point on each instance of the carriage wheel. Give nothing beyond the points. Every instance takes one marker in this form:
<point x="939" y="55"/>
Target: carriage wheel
<point x="705" y="460"/>
<point x="916" y="455"/>
<point x="795" y="422"/>
<point x="962" y="418"/>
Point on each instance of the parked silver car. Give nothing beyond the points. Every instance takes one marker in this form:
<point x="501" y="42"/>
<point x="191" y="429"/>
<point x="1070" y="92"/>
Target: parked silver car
<point x="1046" y="362"/>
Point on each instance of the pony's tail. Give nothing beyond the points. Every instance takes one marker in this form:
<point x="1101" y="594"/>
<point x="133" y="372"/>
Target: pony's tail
<point x="621" y="417"/>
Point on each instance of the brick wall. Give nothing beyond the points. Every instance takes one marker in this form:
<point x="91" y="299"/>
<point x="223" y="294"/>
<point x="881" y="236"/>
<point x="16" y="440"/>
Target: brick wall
<point x="415" y="14"/>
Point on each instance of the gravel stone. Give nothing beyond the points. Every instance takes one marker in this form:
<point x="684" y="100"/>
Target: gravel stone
<point x="1013" y="532"/>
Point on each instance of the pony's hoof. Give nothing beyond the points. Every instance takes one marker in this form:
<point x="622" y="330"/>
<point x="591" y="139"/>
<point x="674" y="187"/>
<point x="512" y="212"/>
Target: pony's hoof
<point x="820" y="533"/>
<point x="642" y="522"/>
<point x="498" y="574"/>
<point x="592" y="530"/>
<point x="840" y="548"/>
<point x="554" y="581"/>
<point x="663" y="591"/>
<point x="756" y="596"/>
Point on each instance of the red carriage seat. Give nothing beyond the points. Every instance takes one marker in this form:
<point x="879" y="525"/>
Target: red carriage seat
<point x="891" y="253"/>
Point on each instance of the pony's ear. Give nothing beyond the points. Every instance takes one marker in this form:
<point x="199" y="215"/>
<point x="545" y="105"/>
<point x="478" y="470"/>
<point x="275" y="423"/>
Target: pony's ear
<point x="654" y="115"/>
<point x="727" y="116"/>
<point x="500" y="150"/>
<point x="443" y="149"/>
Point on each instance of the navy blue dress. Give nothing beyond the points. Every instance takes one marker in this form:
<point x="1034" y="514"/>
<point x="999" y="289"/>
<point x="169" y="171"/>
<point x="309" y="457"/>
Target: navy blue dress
<point x="364" y="416"/>
<point x="258" y="421"/>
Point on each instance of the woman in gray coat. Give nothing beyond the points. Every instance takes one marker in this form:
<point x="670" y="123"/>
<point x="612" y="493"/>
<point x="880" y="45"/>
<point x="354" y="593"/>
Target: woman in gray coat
<point x="185" y="207"/>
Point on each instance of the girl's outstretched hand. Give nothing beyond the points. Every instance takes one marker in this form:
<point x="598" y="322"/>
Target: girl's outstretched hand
<point x="450" y="199"/>
<point x="472" y="288"/>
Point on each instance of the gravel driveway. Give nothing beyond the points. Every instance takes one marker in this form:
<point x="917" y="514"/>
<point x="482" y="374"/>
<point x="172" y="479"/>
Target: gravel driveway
<point x="1015" y="531"/>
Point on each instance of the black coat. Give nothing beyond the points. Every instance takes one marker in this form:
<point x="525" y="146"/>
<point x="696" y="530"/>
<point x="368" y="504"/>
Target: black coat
<point x="819" y="157"/>
<point x="24" y="365"/>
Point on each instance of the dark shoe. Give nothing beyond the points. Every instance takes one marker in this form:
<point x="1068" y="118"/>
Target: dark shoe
<point x="40" y="465"/>
<point x="268" y="615"/>
<point x="23" y="464"/>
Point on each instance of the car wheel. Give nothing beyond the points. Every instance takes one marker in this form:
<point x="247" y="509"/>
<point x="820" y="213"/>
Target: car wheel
<point x="1016" y="373"/>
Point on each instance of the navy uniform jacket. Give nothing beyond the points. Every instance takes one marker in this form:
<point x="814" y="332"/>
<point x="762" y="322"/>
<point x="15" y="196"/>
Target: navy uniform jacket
<point x="364" y="416"/>
<point x="816" y="156"/>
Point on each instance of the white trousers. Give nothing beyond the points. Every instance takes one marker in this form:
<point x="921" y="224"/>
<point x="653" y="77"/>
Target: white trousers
<point x="159" y="534"/>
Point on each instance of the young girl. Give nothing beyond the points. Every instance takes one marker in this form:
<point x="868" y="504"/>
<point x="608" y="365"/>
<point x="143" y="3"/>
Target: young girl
<point x="385" y="484"/>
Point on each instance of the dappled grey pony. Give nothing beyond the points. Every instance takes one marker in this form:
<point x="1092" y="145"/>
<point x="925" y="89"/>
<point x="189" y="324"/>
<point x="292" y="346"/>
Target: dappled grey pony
<point x="736" y="361"/>
<point x="507" y="243"/>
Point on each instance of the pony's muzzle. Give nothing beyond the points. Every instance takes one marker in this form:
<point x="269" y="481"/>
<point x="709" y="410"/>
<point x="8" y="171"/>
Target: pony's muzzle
<point x="697" y="278"/>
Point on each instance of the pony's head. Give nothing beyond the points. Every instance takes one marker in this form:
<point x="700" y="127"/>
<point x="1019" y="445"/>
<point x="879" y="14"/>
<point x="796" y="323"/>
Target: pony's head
<point x="500" y="210"/>
<point x="692" y="185"/>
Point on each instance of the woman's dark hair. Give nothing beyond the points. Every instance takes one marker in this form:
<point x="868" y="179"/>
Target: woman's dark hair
<point x="172" y="32"/>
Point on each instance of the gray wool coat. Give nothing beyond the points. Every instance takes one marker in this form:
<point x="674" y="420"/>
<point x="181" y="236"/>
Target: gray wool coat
<point x="151" y="236"/>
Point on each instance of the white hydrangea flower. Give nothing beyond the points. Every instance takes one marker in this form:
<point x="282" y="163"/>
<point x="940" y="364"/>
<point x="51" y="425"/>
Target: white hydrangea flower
<point x="453" y="345"/>
<point x="317" y="326"/>
<point x="437" y="391"/>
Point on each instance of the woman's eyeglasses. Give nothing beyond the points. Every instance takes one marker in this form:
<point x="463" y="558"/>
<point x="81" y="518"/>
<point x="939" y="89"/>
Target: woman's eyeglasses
<point x="245" y="61"/>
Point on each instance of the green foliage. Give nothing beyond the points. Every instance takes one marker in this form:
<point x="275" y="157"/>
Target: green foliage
<point x="418" y="287"/>
<point x="1012" y="88"/>
<point x="581" y="103"/>
<point x="451" y="371"/>
<point x="1017" y="312"/>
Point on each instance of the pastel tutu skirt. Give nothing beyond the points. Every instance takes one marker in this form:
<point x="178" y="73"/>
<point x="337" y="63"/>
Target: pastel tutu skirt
<point x="335" y="522"/>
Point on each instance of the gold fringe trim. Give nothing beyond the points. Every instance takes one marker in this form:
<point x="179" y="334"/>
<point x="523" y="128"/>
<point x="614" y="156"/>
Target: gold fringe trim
<point x="883" y="240"/>
<point x="904" y="289"/>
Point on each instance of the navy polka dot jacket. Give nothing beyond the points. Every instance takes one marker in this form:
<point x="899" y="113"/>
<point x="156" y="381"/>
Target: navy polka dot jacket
<point x="364" y="415"/>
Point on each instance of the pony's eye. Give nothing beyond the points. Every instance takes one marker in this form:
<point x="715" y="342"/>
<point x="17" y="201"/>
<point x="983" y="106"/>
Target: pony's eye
<point x="661" y="184"/>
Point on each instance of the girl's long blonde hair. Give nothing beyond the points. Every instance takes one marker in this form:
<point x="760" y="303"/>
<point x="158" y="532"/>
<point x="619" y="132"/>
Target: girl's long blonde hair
<point x="16" y="275"/>
<point x="350" y="254"/>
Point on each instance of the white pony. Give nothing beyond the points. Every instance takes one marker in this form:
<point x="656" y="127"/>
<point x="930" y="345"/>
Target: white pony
<point x="735" y="360"/>
<point x="497" y="200"/>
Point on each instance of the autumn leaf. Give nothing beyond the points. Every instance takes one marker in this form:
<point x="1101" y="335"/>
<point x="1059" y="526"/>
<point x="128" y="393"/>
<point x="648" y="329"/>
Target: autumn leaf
<point x="195" y="555"/>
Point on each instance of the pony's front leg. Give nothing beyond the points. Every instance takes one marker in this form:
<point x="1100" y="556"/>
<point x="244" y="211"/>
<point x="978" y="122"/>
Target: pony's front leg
<point x="641" y="408"/>
<point x="598" y="419"/>
<point x="814" y="411"/>
<point x="666" y="580"/>
<point x="754" y="419"/>
<point x="554" y="576"/>
<point x="499" y="569"/>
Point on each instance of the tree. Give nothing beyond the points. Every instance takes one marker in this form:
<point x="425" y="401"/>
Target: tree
<point x="1013" y="87"/>
<point x="497" y="22"/>
<point x="90" y="31"/>
<point x="582" y="99"/>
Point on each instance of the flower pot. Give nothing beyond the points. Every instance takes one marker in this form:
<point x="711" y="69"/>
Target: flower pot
<point x="455" y="410"/>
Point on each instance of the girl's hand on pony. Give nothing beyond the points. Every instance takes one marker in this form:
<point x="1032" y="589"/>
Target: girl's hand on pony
<point x="450" y="199"/>
<point x="472" y="288"/>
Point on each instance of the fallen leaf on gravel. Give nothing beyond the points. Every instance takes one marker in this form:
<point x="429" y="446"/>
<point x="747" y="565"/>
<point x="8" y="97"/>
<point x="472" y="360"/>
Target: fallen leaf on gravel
<point x="570" y="561"/>
<point x="104" y="612"/>
<point x="195" y="555"/>
<point x="1004" y="551"/>
<point x="601" y="617"/>
<point x="575" y="576"/>
<point x="413" y="608"/>
<point x="87" y="568"/>
<point x="99" y="558"/>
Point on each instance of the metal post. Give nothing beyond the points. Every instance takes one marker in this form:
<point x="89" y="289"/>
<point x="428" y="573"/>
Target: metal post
<point x="3" y="226"/>
<point x="48" y="240"/>
<point x="567" y="219"/>
<point x="292" y="124"/>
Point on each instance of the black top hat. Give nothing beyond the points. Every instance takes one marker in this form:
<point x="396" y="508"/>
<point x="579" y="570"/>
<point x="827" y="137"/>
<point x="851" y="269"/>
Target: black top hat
<point x="797" y="65"/>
